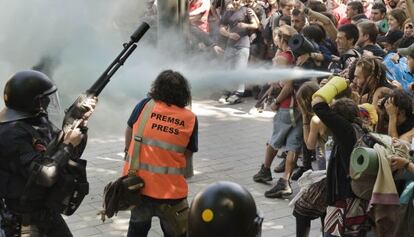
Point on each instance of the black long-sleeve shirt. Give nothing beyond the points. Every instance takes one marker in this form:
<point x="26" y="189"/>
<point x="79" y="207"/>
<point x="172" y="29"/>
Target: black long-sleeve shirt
<point x="344" y="137"/>
<point x="22" y="143"/>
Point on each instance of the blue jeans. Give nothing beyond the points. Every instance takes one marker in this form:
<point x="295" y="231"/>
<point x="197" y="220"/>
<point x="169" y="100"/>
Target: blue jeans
<point x="140" y="221"/>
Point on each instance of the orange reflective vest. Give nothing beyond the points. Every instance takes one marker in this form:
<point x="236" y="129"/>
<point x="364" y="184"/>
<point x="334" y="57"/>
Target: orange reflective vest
<point x="161" y="156"/>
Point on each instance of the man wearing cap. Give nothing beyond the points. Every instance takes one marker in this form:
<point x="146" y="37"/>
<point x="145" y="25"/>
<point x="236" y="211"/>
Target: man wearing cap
<point x="400" y="67"/>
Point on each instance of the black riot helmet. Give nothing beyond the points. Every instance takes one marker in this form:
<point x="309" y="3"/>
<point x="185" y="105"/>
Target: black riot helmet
<point x="26" y="94"/>
<point x="224" y="209"/>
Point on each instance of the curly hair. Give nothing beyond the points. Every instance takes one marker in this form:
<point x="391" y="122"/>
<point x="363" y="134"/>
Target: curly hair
<point x="348" y="109"/>
<point x="403" y="101"/>
<point x="171" y="88"/>
<point x="375" y="73"/>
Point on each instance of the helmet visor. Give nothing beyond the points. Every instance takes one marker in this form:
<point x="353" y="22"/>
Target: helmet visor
<point x="51" y="105"/>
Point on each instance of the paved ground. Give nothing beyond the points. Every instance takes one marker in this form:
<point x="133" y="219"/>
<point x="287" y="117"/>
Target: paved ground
<point x="231" y="147"/>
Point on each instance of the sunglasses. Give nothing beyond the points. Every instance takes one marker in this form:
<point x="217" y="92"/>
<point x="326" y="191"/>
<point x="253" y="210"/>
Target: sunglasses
<point x="409" y="26"/>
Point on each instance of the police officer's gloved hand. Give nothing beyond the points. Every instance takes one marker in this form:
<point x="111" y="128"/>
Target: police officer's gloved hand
<point x="73" y="137"/>
<point x="88" y="105"/>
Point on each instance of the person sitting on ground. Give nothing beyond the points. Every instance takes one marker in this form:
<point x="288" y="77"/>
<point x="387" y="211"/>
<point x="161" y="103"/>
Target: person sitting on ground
<point x="400" y="68"/>
<point x="370" y="81"/>
<point x="399" y="114"/>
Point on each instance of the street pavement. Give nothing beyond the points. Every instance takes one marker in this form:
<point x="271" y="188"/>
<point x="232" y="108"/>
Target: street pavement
<point x="232" y="142"/>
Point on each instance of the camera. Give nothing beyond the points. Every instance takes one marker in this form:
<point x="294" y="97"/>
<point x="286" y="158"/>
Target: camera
<point x="384" y="100"/>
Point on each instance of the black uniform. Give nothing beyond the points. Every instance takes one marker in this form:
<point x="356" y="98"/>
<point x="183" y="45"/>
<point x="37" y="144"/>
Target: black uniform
<point x="40" y="177"/>
<point x="22" y="144"/>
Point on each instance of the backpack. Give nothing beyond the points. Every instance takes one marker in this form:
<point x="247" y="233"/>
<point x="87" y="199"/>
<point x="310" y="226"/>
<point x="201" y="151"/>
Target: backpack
<point x="339" y="66"/>
<point x="364" y="161"/>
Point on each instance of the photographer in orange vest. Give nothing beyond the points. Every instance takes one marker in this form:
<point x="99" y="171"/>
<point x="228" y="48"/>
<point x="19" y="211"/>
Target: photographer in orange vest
<point x="161" y="137"/>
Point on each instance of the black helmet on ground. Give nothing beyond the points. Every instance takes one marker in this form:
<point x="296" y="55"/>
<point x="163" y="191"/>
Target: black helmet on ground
<point x="26" y="94"/>
<point x="224" y="209"/>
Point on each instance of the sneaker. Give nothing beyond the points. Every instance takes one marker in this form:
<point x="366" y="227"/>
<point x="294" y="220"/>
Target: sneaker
<point x="264" y="175"/>
<point x="223" y="99"/>
<point x="298" y="173"/>
<point x="234" y="99"/>
<point x="280" y="168"/>
<point x="282" y="188"/>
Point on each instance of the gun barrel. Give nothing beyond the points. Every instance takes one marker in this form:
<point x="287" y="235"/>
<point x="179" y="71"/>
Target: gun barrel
<point x="137" y="35"/>
<point x="129" y="47"/>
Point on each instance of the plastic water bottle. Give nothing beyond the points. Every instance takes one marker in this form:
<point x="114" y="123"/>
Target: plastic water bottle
<point x="328" y="150"/>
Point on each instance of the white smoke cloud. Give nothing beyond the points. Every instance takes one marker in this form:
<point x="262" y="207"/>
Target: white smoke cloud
<point x="84" y="37"/>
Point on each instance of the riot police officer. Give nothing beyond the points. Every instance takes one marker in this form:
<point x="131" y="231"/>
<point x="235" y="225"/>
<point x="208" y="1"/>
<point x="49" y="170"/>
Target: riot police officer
<point x="41" y="173"/>
<point x="224" y="209"/>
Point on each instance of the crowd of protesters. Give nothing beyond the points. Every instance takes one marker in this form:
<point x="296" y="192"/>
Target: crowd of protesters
<point x="368" y="46"/>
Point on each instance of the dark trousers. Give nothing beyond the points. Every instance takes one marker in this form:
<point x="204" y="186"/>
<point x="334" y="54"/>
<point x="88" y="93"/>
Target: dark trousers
<point x="141" y="216"/>
<point x="307" y="156"/>
<point x="303" y="224"/>
<point x="44" y="223"/>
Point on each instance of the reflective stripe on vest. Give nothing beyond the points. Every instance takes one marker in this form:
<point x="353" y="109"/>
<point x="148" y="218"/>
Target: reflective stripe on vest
<point x="161" y="169"/>
<point x="137" y="147"/>
<point x="160" y="144"/>
<point x="163" y="143"/>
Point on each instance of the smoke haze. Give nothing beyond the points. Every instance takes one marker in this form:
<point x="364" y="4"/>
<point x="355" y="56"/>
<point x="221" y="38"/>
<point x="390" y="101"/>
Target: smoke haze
<point x="83" y="38"/>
